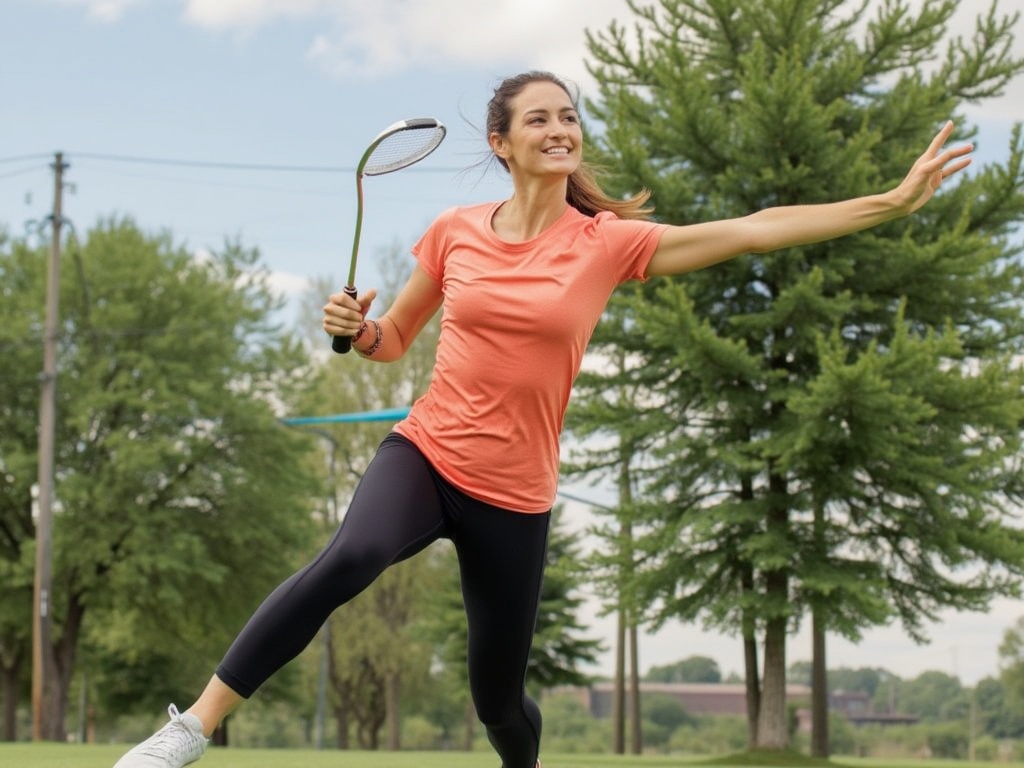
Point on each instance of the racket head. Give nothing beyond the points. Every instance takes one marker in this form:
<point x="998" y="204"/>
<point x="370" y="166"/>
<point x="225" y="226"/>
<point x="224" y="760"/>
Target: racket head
<point x="400" y="145"/>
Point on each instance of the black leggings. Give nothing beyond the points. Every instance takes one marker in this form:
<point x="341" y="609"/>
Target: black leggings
<point x="401" y="506"/>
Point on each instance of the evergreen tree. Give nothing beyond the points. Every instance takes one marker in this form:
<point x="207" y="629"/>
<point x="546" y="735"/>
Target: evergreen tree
<point x="603" y="399"/>
<point x="559" y="647"/>
<point x="832" y="428"/>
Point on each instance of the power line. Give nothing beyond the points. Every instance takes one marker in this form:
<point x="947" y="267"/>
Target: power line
<point x="139" y="160"/>
<point x="21" y="172"/>
<point x="231" y="166"/>
<point x="18" y="158"/>
<point x="215" y="164"/>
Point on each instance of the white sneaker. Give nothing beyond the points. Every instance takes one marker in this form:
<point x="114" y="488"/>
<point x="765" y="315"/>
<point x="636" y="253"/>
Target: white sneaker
<point x="178" y="743"/>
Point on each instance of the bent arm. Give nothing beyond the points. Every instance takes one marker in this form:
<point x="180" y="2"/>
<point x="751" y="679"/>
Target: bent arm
<point x="416" y="303"/>
<point x="686" y="248"/>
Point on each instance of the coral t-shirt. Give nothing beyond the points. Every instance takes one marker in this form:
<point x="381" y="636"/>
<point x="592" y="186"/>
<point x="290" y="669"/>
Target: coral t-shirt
<point x="516" y="320"/>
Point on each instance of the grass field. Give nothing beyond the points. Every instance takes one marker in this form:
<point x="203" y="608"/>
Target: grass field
<point x="25" y="755"/>
<point x="73" y="756"/>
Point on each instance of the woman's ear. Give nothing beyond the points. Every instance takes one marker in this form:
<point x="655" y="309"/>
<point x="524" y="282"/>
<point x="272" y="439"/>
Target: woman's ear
<point x="498" y="145"/>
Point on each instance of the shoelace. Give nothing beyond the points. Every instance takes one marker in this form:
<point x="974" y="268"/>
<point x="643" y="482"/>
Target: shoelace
<point x="173" y="740"/>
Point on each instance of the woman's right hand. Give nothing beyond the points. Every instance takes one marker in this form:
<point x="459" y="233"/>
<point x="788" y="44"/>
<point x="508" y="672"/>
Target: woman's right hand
<point x="343" y="315"/>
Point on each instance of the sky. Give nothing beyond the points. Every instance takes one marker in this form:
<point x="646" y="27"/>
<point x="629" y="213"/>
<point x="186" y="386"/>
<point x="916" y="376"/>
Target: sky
<point x="217" y="120"/>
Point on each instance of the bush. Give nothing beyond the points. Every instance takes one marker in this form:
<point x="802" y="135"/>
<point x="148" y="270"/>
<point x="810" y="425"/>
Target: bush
<point x="419" y="733"/>
<point x="947" y="740"/>
<point x="569" y="727"/>
<point x="717" y="735"/>
<point x="842" y="737"/>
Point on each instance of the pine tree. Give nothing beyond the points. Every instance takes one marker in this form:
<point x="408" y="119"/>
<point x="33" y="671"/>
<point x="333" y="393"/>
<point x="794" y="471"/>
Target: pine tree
<point x="830" y="429"/>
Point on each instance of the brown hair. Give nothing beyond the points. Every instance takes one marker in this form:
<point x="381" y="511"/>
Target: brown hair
<point x="583" y="191"/>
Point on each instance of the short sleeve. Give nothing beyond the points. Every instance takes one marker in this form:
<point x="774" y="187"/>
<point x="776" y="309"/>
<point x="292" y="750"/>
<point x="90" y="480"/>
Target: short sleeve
<point x="629" y="244"/>
<point x="430" y="249"/>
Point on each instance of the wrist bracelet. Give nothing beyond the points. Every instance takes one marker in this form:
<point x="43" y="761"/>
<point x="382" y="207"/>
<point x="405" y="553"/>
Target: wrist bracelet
<point x="377" y="341"/>
<point x="360" y="332"/>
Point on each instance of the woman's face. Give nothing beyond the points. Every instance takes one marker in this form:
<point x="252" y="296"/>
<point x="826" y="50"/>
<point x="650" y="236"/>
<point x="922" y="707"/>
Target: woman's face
<point x="544" y="136"/>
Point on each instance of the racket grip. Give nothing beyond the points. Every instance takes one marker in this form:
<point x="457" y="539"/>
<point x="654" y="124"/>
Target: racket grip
<point x="342" y="344"/>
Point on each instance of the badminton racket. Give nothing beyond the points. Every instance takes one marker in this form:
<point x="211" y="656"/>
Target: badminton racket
<point x="396" y="147"/>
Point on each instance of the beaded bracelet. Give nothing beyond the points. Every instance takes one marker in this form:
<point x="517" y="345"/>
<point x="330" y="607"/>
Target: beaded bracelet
<point x="377" y="341"/>
<point x="360" y="332"/>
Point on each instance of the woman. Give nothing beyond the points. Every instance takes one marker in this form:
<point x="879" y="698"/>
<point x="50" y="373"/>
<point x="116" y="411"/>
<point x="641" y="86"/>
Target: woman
<point x="522" y="284"/>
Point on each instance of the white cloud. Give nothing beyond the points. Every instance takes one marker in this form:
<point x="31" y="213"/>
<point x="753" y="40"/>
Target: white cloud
<point x="388" y="36"/>
<point x="106" y="11"/>
<point x="382" y="37"/>
<point x="288" y="284"/>
<point x="226" y="14"/>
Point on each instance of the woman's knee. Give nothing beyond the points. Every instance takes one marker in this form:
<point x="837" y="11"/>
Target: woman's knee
<point x="493" y="712"/>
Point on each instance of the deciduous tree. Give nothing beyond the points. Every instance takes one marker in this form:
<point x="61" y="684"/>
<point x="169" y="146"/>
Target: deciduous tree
<point x="179" y="497"/>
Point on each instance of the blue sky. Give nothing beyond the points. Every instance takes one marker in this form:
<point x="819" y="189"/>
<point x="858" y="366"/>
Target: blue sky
<point x="308" y="83"/>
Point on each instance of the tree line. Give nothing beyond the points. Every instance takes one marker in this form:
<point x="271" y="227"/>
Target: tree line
<point x="935" y="714"/>
<point x="827" y="434"/>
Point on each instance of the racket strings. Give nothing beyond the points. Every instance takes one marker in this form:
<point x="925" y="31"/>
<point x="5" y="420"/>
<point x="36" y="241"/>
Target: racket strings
<point x="402" y="149"/>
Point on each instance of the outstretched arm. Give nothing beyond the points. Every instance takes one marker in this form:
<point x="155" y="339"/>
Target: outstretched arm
<point x="686" y="248"/>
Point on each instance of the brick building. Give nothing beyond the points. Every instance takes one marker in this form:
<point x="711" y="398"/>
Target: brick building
<point x="731" y="699"/>
<point x="696" y="698"/>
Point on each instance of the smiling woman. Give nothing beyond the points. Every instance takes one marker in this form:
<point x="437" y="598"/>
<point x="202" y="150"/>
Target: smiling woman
<point x="521" y="284"/>
<point x="238" y="87"/>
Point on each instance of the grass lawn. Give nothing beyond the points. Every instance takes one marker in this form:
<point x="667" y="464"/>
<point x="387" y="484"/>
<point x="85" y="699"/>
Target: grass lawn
<point x="28" y="755"/>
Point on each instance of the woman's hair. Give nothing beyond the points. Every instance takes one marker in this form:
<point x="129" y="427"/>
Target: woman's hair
<point x="583" y="192"/>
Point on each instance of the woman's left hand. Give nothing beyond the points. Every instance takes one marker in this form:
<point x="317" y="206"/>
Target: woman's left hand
<point x="931" y="168"/>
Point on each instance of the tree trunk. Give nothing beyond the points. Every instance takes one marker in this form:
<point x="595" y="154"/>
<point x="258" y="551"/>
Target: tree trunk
<point x="626" y="626"/>
<point x="772" y="732"/>
<point x="342" y="691"/>
<point x="62" y="662"/>
<point x="470" y="726"/>
<point x="619" y="691"/>
<point x="772" y="723"/>
<point x="391" y="710"/>
<point x="9" y="673"/>
<point x="819" y="688"/>
<point x="635" y="717"/>
<point x="752" y="674"/>
<point x="341" y="739"/>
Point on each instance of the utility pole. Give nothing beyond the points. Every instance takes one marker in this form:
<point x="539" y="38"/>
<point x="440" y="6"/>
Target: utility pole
<point x="42" y="677"/>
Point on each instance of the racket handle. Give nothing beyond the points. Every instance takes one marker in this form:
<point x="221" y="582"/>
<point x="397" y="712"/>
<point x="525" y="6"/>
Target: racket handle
<point x="342" y="344"/>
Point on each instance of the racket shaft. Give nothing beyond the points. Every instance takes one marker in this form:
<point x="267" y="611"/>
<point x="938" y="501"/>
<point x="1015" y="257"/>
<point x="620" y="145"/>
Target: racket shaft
<point x="398" y="146"/>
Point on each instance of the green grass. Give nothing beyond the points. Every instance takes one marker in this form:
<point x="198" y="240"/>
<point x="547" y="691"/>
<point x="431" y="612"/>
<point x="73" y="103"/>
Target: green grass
<point x="785" y="757"/>
<point x="28" y="755"/>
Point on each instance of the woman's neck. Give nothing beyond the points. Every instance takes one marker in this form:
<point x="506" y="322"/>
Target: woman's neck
<point x="529" y="212"/>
